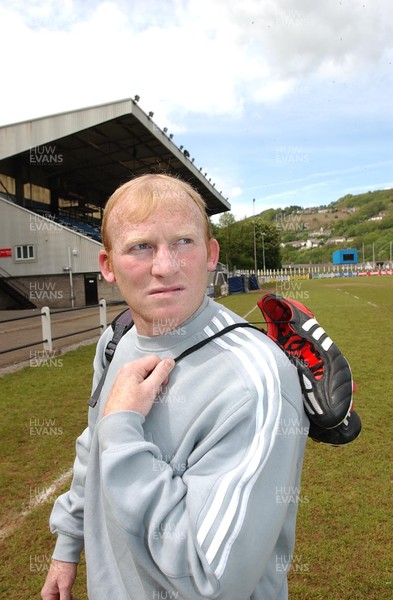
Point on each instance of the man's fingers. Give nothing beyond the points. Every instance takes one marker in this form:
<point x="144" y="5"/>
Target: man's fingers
<point x="159" y="375"/>
<point x="138" y="384"/>
<point x="142" y="367"/>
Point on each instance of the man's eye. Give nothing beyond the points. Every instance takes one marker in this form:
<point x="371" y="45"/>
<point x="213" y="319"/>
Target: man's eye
<point x="141" y="247"/>
<point x="184" y="241"/>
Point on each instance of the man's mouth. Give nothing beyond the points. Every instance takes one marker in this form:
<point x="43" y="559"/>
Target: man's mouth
<point x="166" y="290"/>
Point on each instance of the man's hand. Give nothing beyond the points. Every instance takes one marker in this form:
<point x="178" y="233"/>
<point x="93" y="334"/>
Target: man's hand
<point x="59" y="581"/>
<point x="137" y="385"/>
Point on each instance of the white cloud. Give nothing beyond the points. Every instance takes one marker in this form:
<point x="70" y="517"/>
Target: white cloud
<point x="184" y="56"/>
<point x="236" y="78"/>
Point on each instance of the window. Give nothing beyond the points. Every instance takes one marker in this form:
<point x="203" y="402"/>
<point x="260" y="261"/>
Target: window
<point x="25" y="252"/>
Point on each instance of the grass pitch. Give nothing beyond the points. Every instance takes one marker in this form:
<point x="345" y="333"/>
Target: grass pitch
<point x="343" y="548"/>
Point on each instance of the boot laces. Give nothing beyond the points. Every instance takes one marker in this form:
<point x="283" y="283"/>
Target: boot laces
<point x="302" y="350"/>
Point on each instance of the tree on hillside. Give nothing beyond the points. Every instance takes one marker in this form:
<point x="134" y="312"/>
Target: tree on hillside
<point x="236" y="239"/>
<point x="226" y="219"/>
<point x="286" y="225"/>
<point x="224" y="235"/>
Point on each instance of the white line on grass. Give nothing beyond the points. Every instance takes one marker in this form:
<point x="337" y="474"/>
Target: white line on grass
<point x="17" y="519"/>
<point x="357" y="298"/>
<point x="249" y="312"/>
<point x="47" y="492"/>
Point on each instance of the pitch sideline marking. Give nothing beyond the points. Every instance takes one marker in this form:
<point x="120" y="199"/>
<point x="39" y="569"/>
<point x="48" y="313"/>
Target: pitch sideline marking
<point x="249" y="312"/>
<point x="47" y="493"/>
<point x="357" y="298"/>
<point x="41" y="499"/>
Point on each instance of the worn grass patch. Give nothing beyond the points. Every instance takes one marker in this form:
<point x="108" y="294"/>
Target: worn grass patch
<point x="343" y="548"/>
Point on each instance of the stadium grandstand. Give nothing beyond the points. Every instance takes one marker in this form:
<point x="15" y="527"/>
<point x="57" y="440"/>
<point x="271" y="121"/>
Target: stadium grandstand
<point x="56" y="174"/>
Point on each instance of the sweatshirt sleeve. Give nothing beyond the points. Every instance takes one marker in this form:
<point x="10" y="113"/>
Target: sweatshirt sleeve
<point x="211" y="530"/>
<point x="66" y="520"/>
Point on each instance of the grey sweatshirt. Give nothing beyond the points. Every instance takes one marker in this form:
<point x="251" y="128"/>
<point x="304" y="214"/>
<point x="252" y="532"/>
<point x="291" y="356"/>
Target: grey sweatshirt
<point x="198" y="499"/>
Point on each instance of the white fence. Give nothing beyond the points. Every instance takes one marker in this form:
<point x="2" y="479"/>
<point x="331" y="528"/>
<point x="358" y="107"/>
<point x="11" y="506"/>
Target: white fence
<point x="318" y="271"/>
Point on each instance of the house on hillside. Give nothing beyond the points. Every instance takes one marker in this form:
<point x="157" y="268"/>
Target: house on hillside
<point x="320" y="233"/>
<point x="337" y="240"/>
<point x="311" y="244"/>
<point x="381" y="215"/>
<point x="297" y="244"/>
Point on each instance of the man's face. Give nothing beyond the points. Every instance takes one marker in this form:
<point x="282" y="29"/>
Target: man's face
<point x="160" y="264"/>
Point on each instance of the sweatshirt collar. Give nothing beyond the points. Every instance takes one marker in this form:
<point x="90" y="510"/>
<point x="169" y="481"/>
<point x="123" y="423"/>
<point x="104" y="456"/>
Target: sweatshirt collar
<point x="195" y="323"/>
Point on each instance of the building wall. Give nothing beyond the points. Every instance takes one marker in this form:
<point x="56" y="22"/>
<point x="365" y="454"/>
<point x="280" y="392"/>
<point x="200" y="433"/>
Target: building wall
<point x="110" y="293"/>
<point x="55" y="246"/>
<point x="45" y="280"/>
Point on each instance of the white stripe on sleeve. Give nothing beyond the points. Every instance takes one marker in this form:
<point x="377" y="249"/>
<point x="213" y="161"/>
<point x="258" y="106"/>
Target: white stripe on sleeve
<point x="244" y="475"/>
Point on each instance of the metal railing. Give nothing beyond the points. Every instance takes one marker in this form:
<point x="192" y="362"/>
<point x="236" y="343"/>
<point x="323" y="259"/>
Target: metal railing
<point x="18" y="286"/>
<point x="46" y="324"/>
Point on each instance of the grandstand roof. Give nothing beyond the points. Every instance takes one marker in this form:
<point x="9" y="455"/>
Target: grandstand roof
<point x="86" y="154"/>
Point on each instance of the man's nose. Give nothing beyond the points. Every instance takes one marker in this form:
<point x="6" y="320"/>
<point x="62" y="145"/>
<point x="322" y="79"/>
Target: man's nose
<point x="165" y="261"/>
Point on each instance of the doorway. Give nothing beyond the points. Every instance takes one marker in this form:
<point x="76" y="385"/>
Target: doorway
<point x="91" y="290"/>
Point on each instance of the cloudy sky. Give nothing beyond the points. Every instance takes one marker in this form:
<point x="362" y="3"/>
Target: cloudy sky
<point x="284" y="101"/>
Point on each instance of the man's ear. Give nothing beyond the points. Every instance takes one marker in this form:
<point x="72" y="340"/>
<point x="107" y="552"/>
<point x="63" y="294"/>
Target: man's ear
<point x="104" y="260"/>
<point x="214" y="253"/>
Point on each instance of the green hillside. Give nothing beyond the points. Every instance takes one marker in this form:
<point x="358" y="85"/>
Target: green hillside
<point x="295" y="235"/>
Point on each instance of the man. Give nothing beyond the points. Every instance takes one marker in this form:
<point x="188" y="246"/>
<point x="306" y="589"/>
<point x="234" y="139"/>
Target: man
<point x="180" y="477"/>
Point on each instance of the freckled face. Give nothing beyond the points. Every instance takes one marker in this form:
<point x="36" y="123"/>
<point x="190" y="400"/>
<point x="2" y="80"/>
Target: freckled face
<point x="160" y="264"/>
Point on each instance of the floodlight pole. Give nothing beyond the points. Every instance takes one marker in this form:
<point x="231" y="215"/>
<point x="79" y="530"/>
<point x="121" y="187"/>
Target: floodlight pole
<point x="263" y="252"/>
<point x="255" y="241"/>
